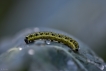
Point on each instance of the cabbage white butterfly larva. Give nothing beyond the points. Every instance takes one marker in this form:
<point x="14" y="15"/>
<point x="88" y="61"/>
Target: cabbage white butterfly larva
<point x="53" y="37"/>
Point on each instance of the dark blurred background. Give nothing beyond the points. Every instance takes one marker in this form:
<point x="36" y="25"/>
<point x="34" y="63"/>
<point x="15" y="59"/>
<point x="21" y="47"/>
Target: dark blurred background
<point x="83" y="19"/>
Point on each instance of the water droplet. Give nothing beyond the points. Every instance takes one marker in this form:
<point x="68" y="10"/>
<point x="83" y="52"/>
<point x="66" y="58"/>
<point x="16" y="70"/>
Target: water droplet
<point x="101" y="66"/>
<point x="20" y="48"/>
<point x="31" y="52"/>
<point x="48" y="42"/>
<point x="36" y="29"/>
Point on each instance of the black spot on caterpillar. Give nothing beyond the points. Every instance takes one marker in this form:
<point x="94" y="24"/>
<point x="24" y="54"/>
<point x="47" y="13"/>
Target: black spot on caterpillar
<point x="53" y="37"/>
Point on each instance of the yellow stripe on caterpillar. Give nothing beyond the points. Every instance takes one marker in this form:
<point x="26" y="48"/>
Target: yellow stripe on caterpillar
<point x="53" y="37"/>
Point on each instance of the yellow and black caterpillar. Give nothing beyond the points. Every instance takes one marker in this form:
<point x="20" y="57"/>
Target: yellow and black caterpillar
<point x="53" y="37"/>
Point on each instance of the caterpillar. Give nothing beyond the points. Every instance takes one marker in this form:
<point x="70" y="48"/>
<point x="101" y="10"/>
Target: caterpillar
<point x="53" y="37"/>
